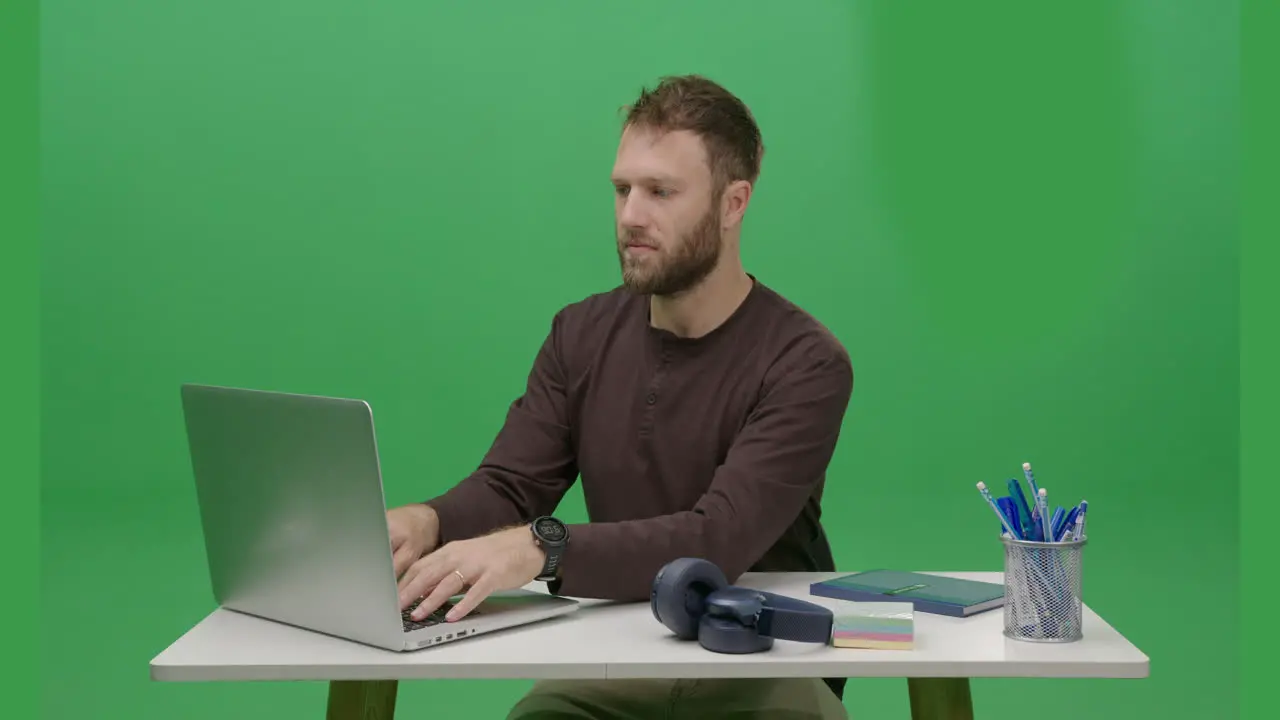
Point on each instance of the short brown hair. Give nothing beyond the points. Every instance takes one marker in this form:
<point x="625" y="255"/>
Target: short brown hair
<point x="699" y="105"/>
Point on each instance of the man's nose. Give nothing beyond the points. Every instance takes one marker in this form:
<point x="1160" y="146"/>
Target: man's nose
<point x="631" y="213"/>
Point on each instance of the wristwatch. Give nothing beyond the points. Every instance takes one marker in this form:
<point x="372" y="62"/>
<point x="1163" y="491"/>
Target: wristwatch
<point x="552" y="536"/>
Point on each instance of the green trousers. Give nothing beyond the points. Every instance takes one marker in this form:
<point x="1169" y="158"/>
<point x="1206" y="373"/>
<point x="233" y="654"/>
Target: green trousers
<point x="713" y="699"/>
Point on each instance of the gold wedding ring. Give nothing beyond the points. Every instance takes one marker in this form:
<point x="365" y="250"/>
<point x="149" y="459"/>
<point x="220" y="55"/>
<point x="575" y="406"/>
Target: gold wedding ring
<point x="460" y="576"/>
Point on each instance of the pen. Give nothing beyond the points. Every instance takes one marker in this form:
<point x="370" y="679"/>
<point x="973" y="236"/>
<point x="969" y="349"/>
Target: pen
<point x="982" y="488"/>
<point x="1010" y="509"/>
<point x="1042" y="504"/>
<point x="1065" y="533"/>
<point x="1003" y="504"/>
<point x="1059" y="515"/>
<point x="1079" y="531"/>
<point x="1070" y="521"/>
<point x="1020" y="500"/>
<point x="1037" y="526"/>
<point x="1031" y="479"/>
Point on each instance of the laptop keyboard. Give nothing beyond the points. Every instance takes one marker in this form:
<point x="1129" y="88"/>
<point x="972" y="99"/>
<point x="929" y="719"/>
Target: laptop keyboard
<point x="434" y="618"/>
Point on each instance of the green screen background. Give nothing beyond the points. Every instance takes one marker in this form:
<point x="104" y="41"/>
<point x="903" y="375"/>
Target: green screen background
<point x="1020" y="222"/>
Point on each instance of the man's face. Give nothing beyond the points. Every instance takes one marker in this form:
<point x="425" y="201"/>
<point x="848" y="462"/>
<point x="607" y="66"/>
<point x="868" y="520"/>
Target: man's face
<point x="666" y="211"/>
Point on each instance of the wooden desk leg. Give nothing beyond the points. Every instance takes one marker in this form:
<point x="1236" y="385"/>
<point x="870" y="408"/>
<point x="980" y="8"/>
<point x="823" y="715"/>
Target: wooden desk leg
<point x="362" y="700"/>
<point x="940" y="698"/>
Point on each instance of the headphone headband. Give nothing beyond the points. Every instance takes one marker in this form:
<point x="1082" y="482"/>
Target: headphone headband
<point x="787" y="618"/>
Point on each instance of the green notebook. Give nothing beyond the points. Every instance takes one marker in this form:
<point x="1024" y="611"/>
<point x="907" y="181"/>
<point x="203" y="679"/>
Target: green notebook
<point x="927" y="593"/>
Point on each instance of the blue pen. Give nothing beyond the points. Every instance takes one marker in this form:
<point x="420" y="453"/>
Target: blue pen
<point x="1068" y="524"/>
<point x="1037" y="527"/>
<point x="1079" y="531"/>
<point x="1031" y="479"/>
<point x="1042" y="504"/>
<point x="1015" y="492"/>
<point x="1010" y="509"/>
<point x="1059" y="515"/>
<point x="1008" y="526"/>
<point x="1033" y="523"/>
<point x="1065" y="533"/>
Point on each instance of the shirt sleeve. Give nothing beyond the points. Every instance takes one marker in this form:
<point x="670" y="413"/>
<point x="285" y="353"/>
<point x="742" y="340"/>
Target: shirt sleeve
<point x="530" y="465"/>
<point x="771" y="470"/>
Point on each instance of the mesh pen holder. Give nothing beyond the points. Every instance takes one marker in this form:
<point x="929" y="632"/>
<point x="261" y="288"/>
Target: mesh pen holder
<point x="1042" y="590"/>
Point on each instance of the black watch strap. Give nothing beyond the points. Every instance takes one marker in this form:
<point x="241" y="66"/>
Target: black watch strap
<point x="552" y="536"/>
<point x="552" y="564"/>
<point x="553" y="585"/>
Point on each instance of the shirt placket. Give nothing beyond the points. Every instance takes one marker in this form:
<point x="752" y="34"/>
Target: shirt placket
<point x="653" y="393"/>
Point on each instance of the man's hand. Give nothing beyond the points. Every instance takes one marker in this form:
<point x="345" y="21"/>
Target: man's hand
<point x="505" y="560"/>
<point x="415" y="531"/>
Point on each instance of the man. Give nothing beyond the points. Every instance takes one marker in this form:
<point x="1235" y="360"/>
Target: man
<point x="699" y="407"/>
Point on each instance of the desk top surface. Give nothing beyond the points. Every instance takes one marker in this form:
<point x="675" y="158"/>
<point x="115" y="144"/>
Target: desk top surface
<point x="623" y="640"/>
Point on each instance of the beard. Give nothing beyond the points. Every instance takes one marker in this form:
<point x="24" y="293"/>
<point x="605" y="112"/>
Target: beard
<point x="673" y="270"/>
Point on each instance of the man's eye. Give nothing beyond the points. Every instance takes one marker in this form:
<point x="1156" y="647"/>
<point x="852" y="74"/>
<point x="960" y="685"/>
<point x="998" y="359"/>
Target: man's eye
<point x="621" y="189"/>
<point x="662" y="192"/>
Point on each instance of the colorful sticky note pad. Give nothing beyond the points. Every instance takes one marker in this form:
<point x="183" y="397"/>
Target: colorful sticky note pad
<point x="874" y="626"/>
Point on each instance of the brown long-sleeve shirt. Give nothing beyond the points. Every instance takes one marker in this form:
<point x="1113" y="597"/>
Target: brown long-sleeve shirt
<point x="714" y="447"/>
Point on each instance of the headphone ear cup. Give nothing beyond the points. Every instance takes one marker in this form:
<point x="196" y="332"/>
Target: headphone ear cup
<point x="680" y="591"/>
<point x="725" y="635"/>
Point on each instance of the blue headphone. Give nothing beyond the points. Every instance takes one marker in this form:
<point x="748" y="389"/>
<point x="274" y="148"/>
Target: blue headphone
<point x="692" y="598"/>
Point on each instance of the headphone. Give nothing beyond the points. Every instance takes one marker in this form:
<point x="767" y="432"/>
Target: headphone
<point x="692" y="598"/>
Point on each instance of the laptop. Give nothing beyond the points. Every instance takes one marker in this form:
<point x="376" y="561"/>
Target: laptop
<point x="295" y="527"/>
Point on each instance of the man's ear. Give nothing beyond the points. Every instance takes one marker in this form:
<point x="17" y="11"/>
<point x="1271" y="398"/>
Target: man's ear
<point x="736" y="198"/>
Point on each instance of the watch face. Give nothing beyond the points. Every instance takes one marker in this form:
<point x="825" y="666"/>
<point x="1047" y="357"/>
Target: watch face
<point x="551" y="530"/>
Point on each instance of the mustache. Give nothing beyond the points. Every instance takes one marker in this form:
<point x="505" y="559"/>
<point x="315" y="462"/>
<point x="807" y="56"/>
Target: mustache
<point x="635" y="238"/>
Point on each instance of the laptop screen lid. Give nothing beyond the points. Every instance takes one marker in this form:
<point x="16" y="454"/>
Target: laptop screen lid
<point x="293" y="509"/>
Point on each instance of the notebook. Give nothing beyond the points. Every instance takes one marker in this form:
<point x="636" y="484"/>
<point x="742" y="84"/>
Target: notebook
<point x="927" y="593"/>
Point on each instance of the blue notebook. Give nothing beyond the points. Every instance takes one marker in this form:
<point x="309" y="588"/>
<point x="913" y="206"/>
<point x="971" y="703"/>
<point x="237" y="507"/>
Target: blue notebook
<point x="927" y="593"/>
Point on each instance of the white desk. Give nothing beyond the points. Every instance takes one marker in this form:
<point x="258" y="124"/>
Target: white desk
<point x="610" y="640"/>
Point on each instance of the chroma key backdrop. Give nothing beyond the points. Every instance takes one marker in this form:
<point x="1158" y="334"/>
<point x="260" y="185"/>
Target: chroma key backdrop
<point x="1020" y="223"/>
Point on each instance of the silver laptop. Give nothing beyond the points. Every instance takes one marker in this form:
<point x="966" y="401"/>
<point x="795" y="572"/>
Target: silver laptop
<point x="295" y="527"/>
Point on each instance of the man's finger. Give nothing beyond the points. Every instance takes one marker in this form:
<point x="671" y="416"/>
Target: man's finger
<point x="444" y="588"/>
<point x="416" y="581"/>
<point x="406" y="577"/>
<point x="478" y="592"/>
<point x="419" y="589"/>
<point x="402" y="559"/>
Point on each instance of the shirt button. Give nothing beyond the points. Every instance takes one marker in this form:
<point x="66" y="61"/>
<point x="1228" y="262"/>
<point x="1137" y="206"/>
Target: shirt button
<point x="653" y="398"/>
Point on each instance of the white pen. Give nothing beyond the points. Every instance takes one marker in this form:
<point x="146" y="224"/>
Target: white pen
<point x="1042" y="504"/>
